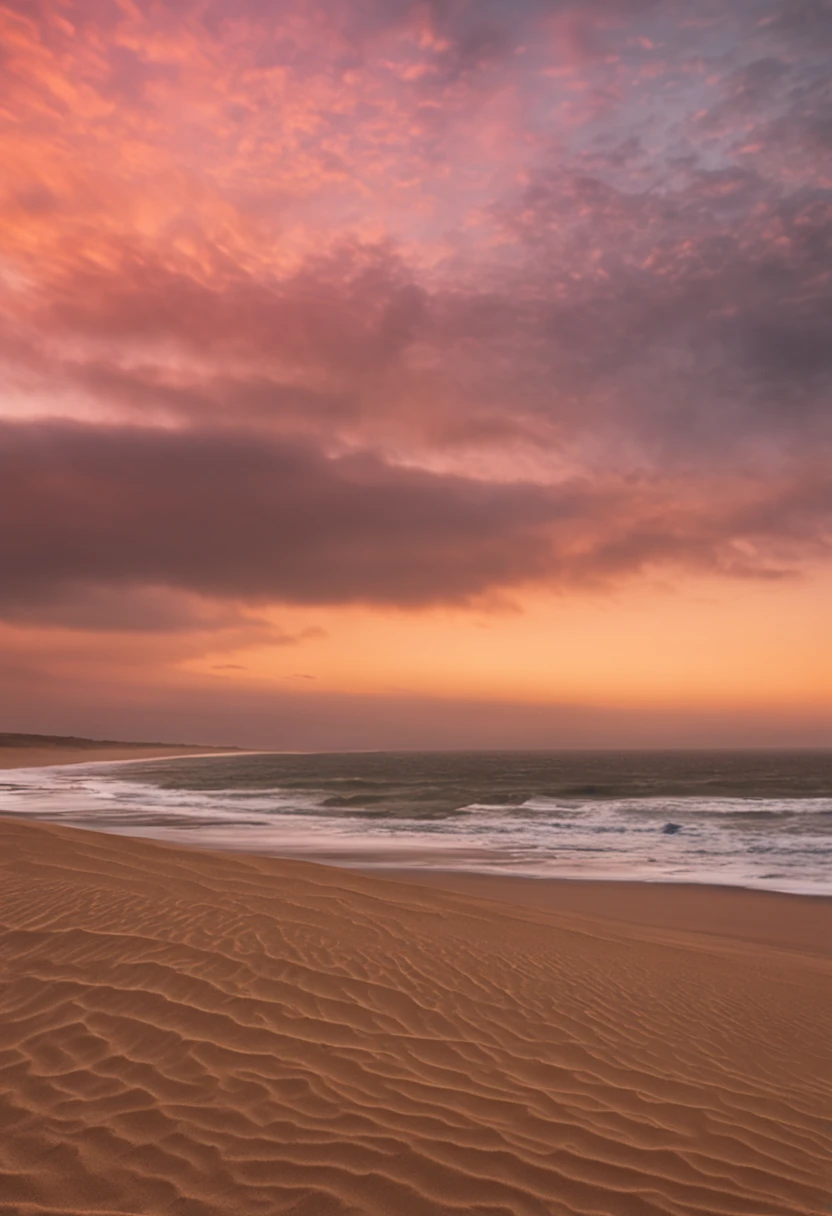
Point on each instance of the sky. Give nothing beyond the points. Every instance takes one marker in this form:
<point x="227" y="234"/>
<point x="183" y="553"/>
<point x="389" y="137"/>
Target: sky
<point x="380" y="373"/>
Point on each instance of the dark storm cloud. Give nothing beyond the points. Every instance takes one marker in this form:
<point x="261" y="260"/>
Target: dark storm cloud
<point x="234" y="517"/>
<point x="78" y="604"/>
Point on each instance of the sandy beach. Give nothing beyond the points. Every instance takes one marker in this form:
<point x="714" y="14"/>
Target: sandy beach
<point x="193" y="1033"/>
<point x="735" y="914"/>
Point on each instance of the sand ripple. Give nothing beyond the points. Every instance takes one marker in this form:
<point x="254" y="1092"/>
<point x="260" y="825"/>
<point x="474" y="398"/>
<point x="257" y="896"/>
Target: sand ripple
<point x="191" y="1034"/>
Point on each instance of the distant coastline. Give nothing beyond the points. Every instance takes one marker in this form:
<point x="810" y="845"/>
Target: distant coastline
<point x="19" y="750"/>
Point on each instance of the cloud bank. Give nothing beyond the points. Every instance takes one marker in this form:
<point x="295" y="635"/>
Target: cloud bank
<point x="247" y="517"/>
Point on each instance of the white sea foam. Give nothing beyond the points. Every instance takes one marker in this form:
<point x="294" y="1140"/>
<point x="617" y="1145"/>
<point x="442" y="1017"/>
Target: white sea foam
<point x="780" y="844"/>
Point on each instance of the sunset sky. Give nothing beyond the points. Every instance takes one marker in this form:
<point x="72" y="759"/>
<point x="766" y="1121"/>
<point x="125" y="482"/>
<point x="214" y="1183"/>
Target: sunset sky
<point x="392" y="374"/>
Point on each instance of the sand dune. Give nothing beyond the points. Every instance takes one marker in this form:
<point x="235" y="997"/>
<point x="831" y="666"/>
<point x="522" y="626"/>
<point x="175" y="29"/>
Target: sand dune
<point x="190" y="1034"/>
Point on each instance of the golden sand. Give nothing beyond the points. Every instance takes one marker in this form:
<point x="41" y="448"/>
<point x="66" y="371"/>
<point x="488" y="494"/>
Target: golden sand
<point x="736" y="914"/>
<point x="188" y="1034"/>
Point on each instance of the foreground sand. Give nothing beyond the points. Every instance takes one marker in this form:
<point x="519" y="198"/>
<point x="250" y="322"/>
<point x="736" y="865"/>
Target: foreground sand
<point x="793" y="922"/>
<point x="189" y="1034"/>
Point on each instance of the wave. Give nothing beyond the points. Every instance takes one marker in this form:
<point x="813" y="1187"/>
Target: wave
<point x="774" y="843"/>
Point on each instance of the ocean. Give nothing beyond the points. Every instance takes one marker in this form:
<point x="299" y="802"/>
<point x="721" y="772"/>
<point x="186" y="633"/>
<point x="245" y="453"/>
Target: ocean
<point x="751" y="819"/>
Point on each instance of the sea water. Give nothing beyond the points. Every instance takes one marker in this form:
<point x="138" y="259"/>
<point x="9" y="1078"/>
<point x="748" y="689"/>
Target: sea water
<point x="753" y="819"/>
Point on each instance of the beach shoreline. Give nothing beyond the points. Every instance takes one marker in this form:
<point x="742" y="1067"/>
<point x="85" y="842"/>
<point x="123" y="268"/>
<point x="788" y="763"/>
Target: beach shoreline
<point x="780" y="918"/>
<point x="53" y="757"/>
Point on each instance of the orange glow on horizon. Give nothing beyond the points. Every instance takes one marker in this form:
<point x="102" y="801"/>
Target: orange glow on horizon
<point x="692" y="645"/>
